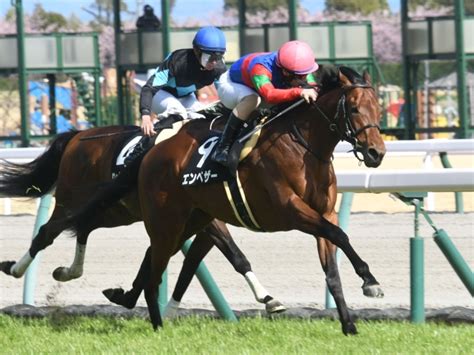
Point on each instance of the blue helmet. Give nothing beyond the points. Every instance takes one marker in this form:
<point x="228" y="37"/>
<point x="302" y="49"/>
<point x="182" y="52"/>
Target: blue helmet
<point x="210" y="39"/>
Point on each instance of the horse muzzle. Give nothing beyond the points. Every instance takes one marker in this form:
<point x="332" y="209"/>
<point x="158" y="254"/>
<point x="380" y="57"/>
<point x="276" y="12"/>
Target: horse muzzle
<point x="373" y="156"/>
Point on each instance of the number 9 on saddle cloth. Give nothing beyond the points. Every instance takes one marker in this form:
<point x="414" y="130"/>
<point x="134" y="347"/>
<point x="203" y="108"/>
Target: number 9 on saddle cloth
<point x="136" y="145"/>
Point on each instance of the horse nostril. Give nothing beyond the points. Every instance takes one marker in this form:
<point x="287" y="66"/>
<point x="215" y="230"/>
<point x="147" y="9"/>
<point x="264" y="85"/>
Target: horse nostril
<point x="373" y="154"/>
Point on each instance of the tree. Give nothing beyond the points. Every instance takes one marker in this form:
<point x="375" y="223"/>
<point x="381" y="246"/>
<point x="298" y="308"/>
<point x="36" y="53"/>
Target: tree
<point x="355" y="6"/>
<point x="254" y="6"/>
<point x="74" y="23"/>
<point x="431" y="4"/>
<point x="10" y="16"/>
<point x="43" y="20"/>
<point x="103" y="12"/>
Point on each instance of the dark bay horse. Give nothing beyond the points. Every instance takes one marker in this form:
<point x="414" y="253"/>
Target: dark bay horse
<point x="288" y="179"/>
<point x="73" y="166"/>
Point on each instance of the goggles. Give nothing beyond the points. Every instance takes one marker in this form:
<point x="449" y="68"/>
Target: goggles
<point x="211" y="57"/>
<point x="298" y="76"/>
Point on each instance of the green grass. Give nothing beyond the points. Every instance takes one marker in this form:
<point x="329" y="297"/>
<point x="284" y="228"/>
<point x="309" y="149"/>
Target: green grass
<point x="63" y="334"/>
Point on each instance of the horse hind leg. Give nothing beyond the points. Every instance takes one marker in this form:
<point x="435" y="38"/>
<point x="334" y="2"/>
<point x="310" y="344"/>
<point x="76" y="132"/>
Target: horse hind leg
<point x="160" y="255"/>
<point x="201" y="245"/>
<point x="224" y="241"/>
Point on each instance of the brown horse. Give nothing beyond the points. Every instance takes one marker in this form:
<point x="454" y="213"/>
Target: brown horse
<point x="288" y="180"/>
<point x="74" y="165"/>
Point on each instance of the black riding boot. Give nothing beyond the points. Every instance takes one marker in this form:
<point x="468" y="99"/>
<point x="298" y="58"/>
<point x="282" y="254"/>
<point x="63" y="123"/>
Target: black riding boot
<point x="139" y="150"/>
<point x="145" y="143"/>
<point x="231" y="130"/>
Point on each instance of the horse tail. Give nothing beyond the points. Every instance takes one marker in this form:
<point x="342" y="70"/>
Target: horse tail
<point x="38" y="177"/>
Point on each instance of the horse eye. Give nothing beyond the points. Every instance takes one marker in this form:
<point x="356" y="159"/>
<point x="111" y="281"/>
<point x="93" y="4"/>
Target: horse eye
<point x="354" y="110"/>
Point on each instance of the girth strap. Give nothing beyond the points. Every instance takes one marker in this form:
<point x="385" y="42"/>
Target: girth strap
<point x="236" y="196"/>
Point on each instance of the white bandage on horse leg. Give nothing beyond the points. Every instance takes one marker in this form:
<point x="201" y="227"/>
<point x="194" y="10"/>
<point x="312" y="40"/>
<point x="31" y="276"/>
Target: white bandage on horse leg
<point x="19" y="268"/>
<point x="257" y="288"/>
<point x="171" y="310"/>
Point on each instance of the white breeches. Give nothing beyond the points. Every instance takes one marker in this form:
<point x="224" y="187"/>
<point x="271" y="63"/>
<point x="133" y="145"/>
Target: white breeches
<point x="232" y="93"/>
<point x="165" y="104"/>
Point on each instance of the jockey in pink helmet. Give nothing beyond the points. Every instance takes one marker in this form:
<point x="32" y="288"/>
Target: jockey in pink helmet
<point x="275" y="77"/>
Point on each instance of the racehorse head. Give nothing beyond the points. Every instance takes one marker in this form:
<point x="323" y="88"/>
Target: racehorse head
<point x="357" y="115"/>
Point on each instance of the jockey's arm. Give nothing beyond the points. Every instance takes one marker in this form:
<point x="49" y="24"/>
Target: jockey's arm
<point x="146" y="96"/>
<point x="153" y="84"/>
<point x="261" y="79"/>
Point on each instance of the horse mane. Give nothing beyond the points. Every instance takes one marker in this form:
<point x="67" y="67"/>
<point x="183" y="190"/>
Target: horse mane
<point x="352" y="75"/>
<point x="328" y="77"/>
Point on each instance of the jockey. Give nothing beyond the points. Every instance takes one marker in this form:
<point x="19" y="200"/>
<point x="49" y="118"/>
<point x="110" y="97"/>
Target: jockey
<point x="170" y="91"/>
<point x="275" y="77"/>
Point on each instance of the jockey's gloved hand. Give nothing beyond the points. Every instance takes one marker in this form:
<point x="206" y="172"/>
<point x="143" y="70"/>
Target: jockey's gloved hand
<point x="147" y="125"/>
<point x="309" y="95"/>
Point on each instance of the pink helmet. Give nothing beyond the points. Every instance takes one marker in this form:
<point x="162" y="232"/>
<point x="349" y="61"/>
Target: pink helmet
<point x="297" y="57"/>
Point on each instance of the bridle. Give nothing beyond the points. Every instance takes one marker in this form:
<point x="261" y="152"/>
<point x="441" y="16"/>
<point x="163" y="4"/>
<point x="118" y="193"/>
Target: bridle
<point x="347" y="132"/>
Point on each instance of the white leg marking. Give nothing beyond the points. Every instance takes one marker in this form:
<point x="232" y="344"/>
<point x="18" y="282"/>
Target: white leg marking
<point x="171" y="309"/>
<point x="257" y="289"/>
<point x="19" y="268"/>
<point x="75" y="270"/>
<point x="78" y="263"/>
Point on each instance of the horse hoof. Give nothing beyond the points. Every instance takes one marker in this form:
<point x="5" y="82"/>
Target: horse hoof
<point x="373" y="291"/>
<point x="349" y="329"/>
<point x="6" y="266"/>
<point x="114" y="295"/>
<point x="63" y="274"/>
<point x="274" y="306"/>
<point x="118" y="296"/>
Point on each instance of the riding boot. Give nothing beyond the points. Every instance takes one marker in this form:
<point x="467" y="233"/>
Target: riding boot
<point x="144" y="144"/>
<point x="139" y="150"/>
<point x="231" y="130"/>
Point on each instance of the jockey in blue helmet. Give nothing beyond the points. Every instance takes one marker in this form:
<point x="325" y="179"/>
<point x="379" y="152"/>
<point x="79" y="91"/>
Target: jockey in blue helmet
<point x="170" y="91"/>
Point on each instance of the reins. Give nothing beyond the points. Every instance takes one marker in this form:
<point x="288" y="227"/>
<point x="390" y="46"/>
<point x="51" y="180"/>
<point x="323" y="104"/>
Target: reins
<point x="349" y="134"/>
<point x="259" y="127"/>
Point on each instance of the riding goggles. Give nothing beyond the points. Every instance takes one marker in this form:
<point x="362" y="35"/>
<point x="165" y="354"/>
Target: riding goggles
<point x="211" y="57"/>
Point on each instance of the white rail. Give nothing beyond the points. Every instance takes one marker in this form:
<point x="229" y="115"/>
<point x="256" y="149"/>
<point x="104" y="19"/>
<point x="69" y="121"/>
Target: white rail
<point x="447" y="180"/>
<point x="439" y="180"/>
<point x="425" y="146"/>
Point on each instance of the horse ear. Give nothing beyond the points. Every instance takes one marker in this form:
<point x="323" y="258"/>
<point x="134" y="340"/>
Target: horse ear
<point x="344" y="79"/>
<point x="366" y="77"/>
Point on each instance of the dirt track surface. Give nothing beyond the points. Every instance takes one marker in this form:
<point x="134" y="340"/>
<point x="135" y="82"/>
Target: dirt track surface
<point x="286" y="263"/>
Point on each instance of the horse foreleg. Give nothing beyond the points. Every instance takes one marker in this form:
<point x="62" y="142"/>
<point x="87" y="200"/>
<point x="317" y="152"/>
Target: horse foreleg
<point x="309" y="221"/>
<point x="327" y="256"/>
<point x="76" y="269"/>
<point x="222" y="238"/>
<point x="129" y="299"/>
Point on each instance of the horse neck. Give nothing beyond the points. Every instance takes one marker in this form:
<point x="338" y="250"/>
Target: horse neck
<point x="315" y="127"/>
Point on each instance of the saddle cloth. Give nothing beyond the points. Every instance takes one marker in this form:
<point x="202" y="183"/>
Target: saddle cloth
<point x="130" y="143"/>
<point x="202" y="170"/>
